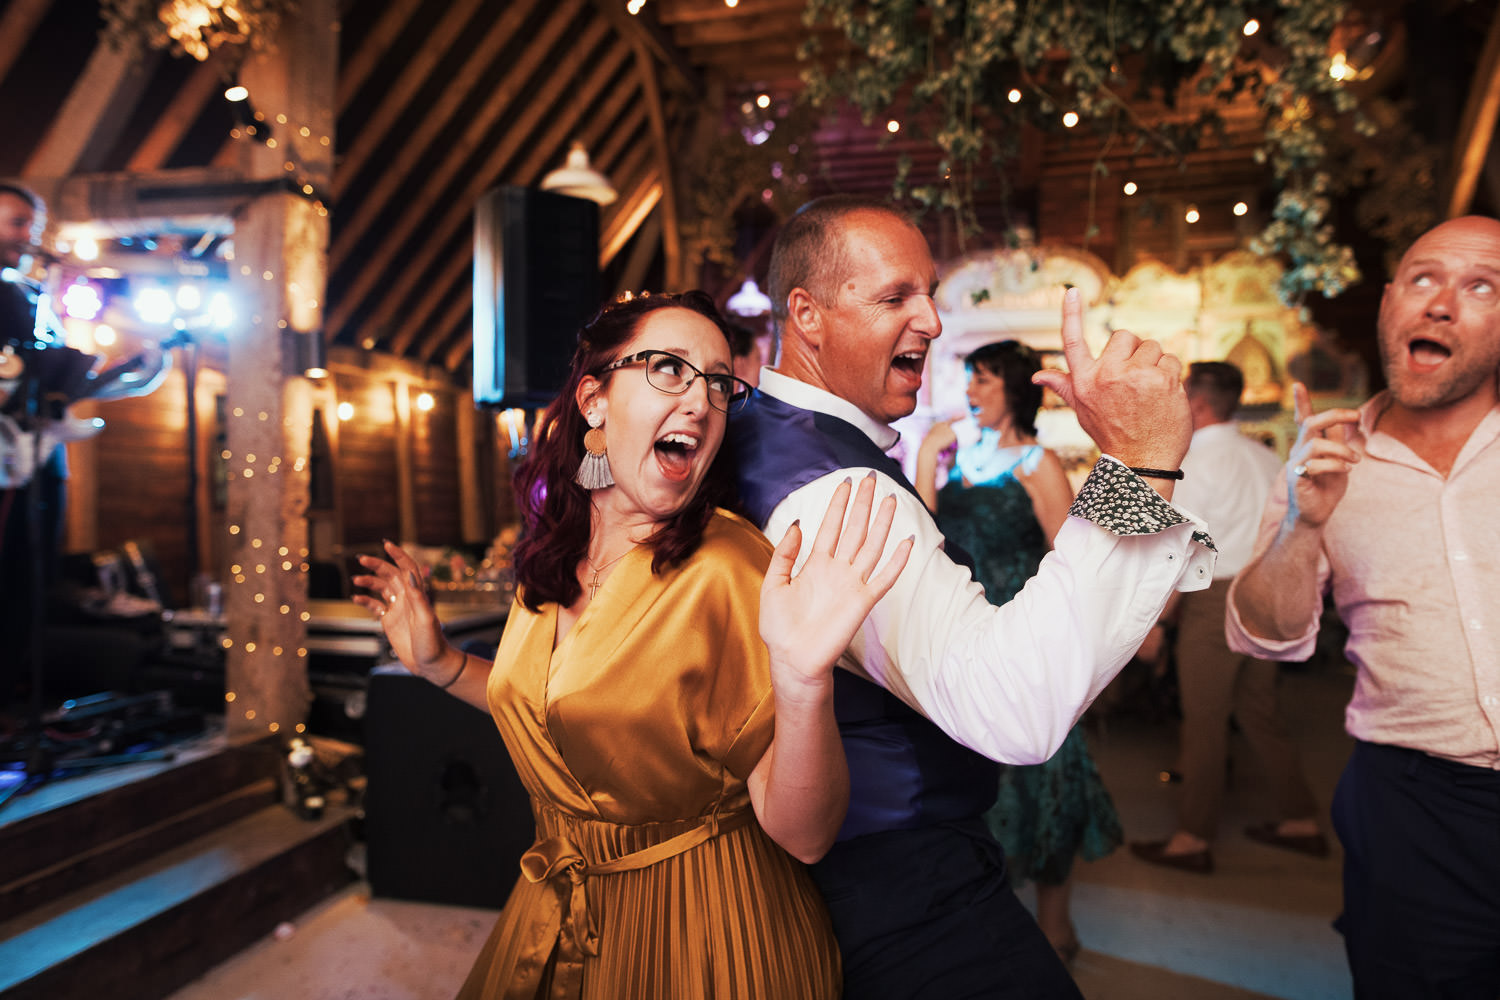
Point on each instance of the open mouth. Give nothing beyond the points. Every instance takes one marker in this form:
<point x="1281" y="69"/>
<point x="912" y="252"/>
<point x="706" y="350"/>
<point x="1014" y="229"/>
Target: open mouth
<point x="1427" y="354"/>
<point x="674" y="455"/>
<point x="910" y="364"/>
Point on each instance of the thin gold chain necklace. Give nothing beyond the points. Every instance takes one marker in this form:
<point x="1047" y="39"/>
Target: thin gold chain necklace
<point x="594" y="582"/>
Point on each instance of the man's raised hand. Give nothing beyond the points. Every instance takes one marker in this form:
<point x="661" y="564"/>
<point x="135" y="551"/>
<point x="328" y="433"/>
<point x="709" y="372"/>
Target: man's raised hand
<point x="1130" y="399"/>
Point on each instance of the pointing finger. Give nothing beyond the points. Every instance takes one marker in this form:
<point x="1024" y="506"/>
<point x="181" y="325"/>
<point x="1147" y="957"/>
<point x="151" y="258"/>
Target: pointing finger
<point x="1074" y="348"/>
<point x="1301" y="405"/>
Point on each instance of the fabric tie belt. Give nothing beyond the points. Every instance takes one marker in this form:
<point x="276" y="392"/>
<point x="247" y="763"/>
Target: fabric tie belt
<point x="568" y="925"/>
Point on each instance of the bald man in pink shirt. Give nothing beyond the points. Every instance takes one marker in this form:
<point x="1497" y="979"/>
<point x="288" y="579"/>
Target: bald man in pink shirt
<point x="1392" y="506"/>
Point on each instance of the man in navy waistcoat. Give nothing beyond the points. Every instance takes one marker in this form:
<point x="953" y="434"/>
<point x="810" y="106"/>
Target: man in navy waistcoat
<point x="939" y="683"/>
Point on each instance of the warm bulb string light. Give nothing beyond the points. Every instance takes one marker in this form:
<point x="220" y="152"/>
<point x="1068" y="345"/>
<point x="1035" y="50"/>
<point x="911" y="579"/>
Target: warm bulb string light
<point x="297" y="178"/>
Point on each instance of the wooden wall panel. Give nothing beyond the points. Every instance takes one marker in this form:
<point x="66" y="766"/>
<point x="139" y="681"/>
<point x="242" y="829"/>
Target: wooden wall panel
<point x="435" y="469"/>
<point x="142" y="455"/>
<point x="364" y="470"/>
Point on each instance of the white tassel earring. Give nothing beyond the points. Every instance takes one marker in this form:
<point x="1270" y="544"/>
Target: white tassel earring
<point x="593" y="471"/>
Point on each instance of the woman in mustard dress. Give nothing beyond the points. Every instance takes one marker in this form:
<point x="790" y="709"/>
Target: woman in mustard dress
<point x="664" y="687"/>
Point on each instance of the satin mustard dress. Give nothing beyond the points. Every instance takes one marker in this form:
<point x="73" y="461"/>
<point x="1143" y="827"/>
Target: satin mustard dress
<point x="650" y="876"/>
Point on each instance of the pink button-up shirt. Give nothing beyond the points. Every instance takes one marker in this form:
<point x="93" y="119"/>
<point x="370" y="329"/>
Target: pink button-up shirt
<point x="1414" y="562"/>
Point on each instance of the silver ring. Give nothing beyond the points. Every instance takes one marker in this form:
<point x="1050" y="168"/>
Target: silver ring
<point x="1300" y="471"/>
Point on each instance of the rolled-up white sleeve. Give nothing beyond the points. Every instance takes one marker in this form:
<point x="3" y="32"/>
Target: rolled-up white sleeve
<point x="1010" y="681"/>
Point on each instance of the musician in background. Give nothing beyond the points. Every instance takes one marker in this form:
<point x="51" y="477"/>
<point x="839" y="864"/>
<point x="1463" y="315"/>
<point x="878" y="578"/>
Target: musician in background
<point x="22" y="217"/>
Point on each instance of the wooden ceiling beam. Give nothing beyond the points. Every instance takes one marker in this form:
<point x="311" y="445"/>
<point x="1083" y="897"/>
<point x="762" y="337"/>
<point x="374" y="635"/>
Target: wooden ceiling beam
<point x="566" y="100"/>
<point x="347" y="235"/>
<point x="624" y="133"/>
<point x="462" y="347"/>
<point x="16" y="26"/>
<point x="166" y="133"/>
<point x="671" y="238"/>
<point x="373" y="48"/>
<point x="782" y="27"/>
<point x="675" y="12"/>
<point x="635" y="28"/>
<point x="633" y="166"/>
<point x="647" y="239"/>
<point x="460" y="300"/>
<point x="643" y="198"/>
<point x="398" y="96"/>
<point x="100" y="101"/>
<point x="1477" y="126"/>
<point x="350" y="230"/>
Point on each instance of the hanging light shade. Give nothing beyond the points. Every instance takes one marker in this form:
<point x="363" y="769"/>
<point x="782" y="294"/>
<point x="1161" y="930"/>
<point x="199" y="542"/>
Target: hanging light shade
<point x="749" y="300"/>
<point x="578" y="179"/>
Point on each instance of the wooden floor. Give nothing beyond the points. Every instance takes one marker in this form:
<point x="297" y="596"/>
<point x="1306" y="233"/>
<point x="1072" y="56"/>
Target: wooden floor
<point x="1258" y="928"/>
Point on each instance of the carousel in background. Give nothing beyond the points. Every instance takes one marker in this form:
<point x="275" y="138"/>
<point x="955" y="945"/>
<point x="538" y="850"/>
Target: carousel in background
<point x="1224" y="310"/>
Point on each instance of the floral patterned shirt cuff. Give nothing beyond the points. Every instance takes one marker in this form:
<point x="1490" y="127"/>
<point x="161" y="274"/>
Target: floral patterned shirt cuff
<point x="1121" y="502"/>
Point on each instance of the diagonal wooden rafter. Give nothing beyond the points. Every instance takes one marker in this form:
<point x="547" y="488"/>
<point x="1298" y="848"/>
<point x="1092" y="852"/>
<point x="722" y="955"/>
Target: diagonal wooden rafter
<point x="623" y="134"/>
<point x="605" y="122"/>
<point x="347" y="235"/>
<point x="96" y="97"/>
<point x="670" y="234"/>
<point x="185" y="107"/>
<point x="460" y="305"/>
<point x="19" y="21"/>
<point x="633" y="274"/>
<point x="372" y="279"/>
<point x="1477" y="127"/>
<point x="642" y="181"/>
<point x="373" y="48"/>
<point x="643" y="30"/>
<point x="543" y="150"/>
<point x="396" y="99"/>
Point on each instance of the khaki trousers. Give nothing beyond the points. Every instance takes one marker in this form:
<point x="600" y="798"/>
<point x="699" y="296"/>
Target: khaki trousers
<point x="1215" y="682"/>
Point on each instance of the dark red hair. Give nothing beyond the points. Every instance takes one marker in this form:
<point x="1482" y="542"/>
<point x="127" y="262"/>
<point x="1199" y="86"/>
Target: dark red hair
<point x="555" y="509"/>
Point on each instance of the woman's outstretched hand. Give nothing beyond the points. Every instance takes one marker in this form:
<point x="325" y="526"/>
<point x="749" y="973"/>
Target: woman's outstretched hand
<point x="807" y="620"/>
<point x="401" y="605"/>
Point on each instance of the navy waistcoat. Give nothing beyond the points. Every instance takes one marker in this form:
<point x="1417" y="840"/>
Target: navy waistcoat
<point x="904" y="772"/>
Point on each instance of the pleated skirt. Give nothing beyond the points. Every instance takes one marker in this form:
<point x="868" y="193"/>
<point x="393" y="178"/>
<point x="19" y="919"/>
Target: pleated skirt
<point x="733" y="917"/>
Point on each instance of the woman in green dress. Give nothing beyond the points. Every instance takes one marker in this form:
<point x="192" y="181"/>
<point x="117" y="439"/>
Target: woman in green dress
<point x="1004" y="499"/>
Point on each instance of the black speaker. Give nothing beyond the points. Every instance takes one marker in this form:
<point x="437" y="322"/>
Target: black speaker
<point x="536" y="282"/>
<point x="446" y="817"/>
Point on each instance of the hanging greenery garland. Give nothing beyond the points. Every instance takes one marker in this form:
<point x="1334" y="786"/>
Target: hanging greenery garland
<point x="970" y="73"/>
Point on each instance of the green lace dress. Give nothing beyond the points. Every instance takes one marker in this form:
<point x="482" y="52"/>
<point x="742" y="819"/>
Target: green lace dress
<point x="1045" y="814"/>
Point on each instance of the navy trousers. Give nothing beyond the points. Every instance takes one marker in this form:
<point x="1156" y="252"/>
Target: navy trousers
<point x="928" y="915"/>
<point x="1421" y="843"/>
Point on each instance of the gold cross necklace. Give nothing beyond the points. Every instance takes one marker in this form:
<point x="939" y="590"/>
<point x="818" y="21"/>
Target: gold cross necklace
<point x="594" y="583"/>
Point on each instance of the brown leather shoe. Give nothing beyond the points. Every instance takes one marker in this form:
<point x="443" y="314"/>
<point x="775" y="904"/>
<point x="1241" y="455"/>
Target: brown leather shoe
<point x="1314" y="844"/>
<point x="1154" y="851"/>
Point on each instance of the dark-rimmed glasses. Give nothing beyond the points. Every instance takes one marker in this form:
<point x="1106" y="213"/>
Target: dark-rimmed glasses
<point x="668" y="373"/>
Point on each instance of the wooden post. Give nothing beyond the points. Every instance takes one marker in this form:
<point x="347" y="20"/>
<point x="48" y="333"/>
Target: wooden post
<point x="278" y="278"/>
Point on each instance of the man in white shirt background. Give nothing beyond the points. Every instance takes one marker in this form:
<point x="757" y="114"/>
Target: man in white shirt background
<point x="1228" y="478"/>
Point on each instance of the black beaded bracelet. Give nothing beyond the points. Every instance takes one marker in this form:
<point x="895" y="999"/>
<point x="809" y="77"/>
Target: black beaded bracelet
<point x="454" y="679"/>
<point x="1156" y="473"/>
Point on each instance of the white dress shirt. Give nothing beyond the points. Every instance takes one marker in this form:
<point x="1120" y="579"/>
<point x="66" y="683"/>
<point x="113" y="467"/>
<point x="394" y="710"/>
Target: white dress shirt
<point x="1010" y="681"/>
<point x="1228" y="477"/>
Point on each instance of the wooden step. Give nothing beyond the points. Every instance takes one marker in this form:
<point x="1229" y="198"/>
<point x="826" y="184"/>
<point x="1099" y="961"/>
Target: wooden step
<point x="148" y="930"/>
<point x="103" y="824"/>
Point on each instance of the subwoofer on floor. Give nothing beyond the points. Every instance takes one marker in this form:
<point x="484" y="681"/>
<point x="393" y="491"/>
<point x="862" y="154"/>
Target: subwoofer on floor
<point x="446" y="817"/>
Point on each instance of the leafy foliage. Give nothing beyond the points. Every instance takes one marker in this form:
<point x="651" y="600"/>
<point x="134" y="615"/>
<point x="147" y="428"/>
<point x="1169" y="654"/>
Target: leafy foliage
<point x="949" y="68"/>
